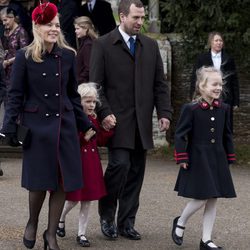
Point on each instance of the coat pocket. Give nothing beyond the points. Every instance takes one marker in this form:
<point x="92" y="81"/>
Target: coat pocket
<point x="30" y="107"/>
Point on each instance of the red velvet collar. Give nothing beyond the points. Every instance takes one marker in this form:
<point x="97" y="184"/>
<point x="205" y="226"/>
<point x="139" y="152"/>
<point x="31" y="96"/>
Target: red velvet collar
<point x="205" y="105"/>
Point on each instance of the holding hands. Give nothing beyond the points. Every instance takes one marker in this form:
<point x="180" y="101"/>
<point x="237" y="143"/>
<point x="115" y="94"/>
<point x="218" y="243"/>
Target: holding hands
<point x="109" y="122"/>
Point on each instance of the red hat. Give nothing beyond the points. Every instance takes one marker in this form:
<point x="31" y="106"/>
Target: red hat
<point x="44" y="13"/>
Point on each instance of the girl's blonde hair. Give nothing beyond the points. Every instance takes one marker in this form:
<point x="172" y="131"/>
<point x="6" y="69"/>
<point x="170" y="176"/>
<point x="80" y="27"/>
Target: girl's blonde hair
<point x="88" y="89"/>
<point x="202" y="75"/>
<point x="37" y="48"/>
<point x="85" y="22"/>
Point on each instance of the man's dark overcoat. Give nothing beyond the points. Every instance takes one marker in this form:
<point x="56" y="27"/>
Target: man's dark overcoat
<point x="131" y="90"/>
<point x="231" y="95"/>
<point x="101" y="16"/>
<point x="45" y="95"/>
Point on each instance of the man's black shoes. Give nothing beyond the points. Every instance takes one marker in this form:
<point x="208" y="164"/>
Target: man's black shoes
<point x="130" y="233"/>
<point x="109" y="229"/>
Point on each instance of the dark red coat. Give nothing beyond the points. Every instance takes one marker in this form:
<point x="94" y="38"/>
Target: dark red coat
<point x="45" y="96"/>
<point x="83" y="58"/>
<point x="94" y="187"/>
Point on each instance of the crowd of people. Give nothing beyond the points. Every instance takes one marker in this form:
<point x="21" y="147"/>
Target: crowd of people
<point x="103" y="94"/>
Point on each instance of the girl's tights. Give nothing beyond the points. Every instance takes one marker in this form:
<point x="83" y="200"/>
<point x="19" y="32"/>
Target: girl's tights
<point x="208" y="217"/>
<point x="56" y="201"/>
<point x="83" y="214"/>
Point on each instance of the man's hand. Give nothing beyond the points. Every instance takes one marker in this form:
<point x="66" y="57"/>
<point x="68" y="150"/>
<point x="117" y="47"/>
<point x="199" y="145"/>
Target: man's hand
<point x="164" y="124"/>
<point x="109" y="122"/>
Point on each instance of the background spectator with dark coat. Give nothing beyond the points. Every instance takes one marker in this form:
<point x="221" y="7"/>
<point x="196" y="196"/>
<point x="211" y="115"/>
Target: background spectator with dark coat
<point x="101" y="14"/>
<point x="220" y="59"/>
<point x="85" y="32"/>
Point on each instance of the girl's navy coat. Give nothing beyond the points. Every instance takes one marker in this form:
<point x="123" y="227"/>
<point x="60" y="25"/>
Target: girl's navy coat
<point x="203" y="139"/>
<point x="45" y="96"/>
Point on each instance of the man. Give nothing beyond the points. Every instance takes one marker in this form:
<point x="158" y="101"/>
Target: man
<point x="101" y="14"/>
<point x="131" y="82"/>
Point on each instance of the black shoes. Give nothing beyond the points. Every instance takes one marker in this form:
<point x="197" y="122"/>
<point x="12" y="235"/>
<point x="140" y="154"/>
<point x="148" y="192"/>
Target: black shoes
<point x="130" y="233"/>
<point x="29" y="243"/>
<point x="45" y="241"/>
<point x="1" y="172"/>
<point x="177" y="239"/>
<point x="82" y="241"/>
<point x="205" y="246"/>
<point x="60" y="231"/>
<point x="109" y="229"/>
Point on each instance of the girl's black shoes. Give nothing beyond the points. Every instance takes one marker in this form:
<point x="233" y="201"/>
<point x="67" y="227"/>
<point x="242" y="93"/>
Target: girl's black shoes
<point x="205" y="246"/>
<point x="60" y="231"/>
<point x="29" y="243"/>
<point x="82" y="241"/>
<point x="177" y="239"/>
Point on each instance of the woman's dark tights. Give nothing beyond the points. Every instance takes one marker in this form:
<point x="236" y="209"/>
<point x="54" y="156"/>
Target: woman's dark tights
<point x="56" y="202"/>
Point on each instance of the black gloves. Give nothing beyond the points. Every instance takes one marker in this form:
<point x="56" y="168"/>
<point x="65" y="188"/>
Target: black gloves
<point x="11" y="139"/>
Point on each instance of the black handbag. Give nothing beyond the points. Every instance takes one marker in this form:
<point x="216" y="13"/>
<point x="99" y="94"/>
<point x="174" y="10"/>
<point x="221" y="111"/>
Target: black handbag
<point x="23" y="135"/>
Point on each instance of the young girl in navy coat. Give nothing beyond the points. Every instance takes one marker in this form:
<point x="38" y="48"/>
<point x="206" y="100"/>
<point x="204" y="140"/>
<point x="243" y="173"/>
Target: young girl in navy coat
<point x="94" y="187"/>
<point x="204" y="150"/>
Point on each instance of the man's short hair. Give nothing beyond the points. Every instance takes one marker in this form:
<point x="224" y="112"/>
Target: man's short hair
<point x="124" y="6"/>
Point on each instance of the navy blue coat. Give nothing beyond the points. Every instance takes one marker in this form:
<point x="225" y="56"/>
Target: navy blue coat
<point x="45" y="97"/>
<point x="203" y="139"/>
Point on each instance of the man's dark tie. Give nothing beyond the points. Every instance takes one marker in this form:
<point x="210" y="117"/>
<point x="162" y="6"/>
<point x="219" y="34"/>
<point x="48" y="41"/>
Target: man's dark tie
<point x="90" y="7"/>
<point x="132" y="45"/>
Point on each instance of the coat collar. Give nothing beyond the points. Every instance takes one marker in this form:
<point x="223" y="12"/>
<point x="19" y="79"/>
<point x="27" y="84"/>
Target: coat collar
<point x="55" y="51"/>
<point x="205" y="105"/>
<point x="117" y="37"/>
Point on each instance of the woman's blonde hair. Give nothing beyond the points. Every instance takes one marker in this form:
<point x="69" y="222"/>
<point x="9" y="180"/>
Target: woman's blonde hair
<point x="202" y="75"/>
<point x="85" y="22"/>
<point x="37" y="48"/>
<point x="9" y="12"/>
<point x="211" y="36"/>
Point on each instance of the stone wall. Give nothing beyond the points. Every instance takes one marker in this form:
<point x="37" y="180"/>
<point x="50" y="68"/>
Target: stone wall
<point x="180" y="82"/>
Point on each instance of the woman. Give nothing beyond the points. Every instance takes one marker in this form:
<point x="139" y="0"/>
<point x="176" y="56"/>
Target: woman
<point x="85" y="32"/>
<point x="44" y="95"/>
<point x="15" y="37"/>
<point x="217" y="57"/>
